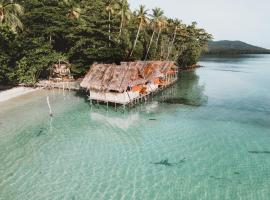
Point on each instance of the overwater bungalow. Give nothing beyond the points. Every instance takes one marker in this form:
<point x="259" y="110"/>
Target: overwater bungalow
<point x="128" y="82"/>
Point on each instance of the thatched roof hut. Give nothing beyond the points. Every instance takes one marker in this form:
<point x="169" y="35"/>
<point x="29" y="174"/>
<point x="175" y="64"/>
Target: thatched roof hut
<point x="61" y="69"/>
<point x="118" y="78"/>
<point x="128" y="81"/>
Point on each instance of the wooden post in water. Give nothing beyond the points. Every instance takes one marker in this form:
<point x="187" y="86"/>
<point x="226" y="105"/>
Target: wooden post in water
<point x="49" y="105"/>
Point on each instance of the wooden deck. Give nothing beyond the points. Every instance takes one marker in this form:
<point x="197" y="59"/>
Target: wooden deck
<point x="73" y="85"/>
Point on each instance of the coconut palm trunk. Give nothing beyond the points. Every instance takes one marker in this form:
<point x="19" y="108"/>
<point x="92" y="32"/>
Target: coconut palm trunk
<point x="122" y="22"/>
<point x="109" y="25"/>
<point x="124" y="14"/>
<point x="50" y="39"/>
<point x="152" y="37"/>
<point x="171" y="46"/>
<point x="179" y="53"/>
<point x="136" y="39"/>
<point x="1" y="16"/>
<point x="159" y="33"/>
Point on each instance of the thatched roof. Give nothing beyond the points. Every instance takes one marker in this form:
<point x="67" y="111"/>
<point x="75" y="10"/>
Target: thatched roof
<point x="111" y="77"/>
<point x="61" y="68"/>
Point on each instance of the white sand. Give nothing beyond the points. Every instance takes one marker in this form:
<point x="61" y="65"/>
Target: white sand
<point x="15" y="92"/>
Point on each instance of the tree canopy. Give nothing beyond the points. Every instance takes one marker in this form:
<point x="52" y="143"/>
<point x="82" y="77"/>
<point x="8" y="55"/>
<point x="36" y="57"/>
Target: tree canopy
<point x="36" y="33"/>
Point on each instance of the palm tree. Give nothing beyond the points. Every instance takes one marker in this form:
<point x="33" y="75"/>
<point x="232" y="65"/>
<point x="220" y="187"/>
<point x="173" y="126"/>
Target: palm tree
<point x="111" y="9"/>
<point x="9" y="14"/>
<point x="143" y="20"/>
<point x="176" y="24"/>
<point x="156" y="21"/>
<point x="183" y="41"/>
<point x="74" y="11"/>
<point x="124" y="13"/>
<point x="162" y="23"/>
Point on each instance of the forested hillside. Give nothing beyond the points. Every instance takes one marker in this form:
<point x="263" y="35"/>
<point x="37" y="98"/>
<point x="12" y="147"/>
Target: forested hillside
<point x="234" y="47"/>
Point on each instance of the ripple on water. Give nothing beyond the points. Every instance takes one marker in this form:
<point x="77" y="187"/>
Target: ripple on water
<point x="216" y="150"/>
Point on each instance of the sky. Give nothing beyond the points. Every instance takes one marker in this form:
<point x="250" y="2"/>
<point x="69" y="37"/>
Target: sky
<point x="245" y="20"/>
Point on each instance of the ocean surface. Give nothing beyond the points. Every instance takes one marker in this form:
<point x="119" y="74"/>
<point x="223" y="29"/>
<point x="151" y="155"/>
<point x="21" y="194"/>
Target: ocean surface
<point x="208" y="137"/>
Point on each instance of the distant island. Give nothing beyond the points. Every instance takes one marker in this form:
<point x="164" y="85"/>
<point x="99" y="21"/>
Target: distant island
<point x="233" y="47"/>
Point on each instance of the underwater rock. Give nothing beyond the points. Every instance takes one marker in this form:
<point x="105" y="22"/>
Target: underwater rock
<point x="221" y="178"/>
<point x="181" y="161"/>
<point x="40" y="132"/>
<point x="228" y="180"/>
<point x="259" y="152"/>
<point x="217" y="178"/>
<point x="164" y="162"/>
<point x="183" y="101"/>
<point x="168" y="164"/>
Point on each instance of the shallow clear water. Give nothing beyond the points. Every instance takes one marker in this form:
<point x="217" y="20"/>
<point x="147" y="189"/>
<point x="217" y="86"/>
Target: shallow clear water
<point x="213" y="128"/>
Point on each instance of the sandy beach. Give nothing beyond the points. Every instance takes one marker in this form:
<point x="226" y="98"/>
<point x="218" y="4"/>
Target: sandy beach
<point x="15" y="92"/>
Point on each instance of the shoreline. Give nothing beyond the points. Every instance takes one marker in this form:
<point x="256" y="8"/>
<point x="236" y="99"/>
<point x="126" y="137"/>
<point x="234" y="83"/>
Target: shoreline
<point x="191" y="68"/>
<point x="6" y="95"/>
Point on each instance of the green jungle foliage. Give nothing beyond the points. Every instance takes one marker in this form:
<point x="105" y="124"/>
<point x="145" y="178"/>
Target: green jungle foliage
<point x="36" y="33"/>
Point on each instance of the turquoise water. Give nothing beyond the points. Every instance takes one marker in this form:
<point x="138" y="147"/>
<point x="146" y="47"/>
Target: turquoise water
<point x="212" y="127"/>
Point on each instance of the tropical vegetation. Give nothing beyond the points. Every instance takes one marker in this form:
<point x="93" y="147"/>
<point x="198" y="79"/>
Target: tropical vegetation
<point x="36" y="33"/>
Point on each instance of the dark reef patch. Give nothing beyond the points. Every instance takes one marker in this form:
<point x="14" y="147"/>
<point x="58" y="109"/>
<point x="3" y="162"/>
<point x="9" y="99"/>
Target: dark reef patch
<point x="259" y="152"/>
<point x="168" y="164"/>
<point x="40" y="132"/>
<point x="183" y="101"/>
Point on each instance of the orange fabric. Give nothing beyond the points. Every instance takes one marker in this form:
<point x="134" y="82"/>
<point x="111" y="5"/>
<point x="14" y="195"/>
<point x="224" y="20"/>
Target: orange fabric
<point x="143" y="90"/>
<point x="158" y="81"/>
<point x="137" y="88"/>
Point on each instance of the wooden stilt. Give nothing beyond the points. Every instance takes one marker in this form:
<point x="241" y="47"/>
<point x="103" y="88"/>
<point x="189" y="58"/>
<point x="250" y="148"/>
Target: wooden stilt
<point x="49" y="105"/>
